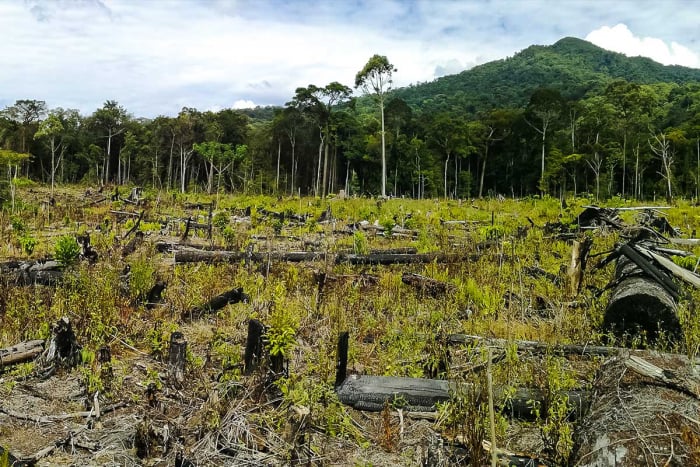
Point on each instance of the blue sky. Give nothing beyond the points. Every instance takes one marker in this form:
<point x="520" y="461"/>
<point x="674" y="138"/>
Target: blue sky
<point x="157" y="56"/>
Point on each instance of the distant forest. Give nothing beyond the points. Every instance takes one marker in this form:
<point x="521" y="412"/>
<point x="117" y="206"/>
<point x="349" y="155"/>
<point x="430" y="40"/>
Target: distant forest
<point x="564" y="119"/>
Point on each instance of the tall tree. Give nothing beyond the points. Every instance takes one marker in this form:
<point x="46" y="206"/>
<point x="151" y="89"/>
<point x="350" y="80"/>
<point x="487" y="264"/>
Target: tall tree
<point x="110" y="121"/>
<point x="376" y="78"/>
<point x="545" y="107"/>
<point x="27" y="113"/>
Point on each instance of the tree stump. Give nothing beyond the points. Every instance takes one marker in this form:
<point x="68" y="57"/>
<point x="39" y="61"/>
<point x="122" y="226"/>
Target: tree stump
<point x="177" y="357"/>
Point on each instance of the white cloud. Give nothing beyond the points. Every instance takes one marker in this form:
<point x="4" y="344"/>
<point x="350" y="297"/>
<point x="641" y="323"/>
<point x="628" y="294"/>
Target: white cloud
<point x="158" y="56"/>
<point x="243" y="104"/>
<point x="620" y="39"/>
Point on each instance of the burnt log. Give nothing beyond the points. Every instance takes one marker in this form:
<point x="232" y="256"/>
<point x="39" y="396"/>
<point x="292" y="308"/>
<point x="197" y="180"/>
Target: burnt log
<point x="177" y="356"/>
<point x="196" y="256"/>
<point x="390" y="258"/>
<point x="426" y="285"/>
<point x="22" y="352"/>
<point x="25" y="273"/>
<point x="642" y="300"/>
<point x="217" y="303"/>
<point x="371" y="393"/>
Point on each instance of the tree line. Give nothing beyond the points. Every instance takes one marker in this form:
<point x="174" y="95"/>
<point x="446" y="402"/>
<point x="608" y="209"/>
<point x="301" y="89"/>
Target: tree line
<point x="632" y="140"/>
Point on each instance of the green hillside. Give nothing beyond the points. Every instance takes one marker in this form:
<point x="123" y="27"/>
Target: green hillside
<point x="573" y="66"/>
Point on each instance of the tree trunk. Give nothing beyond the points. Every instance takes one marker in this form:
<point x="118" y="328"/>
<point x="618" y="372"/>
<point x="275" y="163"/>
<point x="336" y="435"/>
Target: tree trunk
<point x="640" y="303"/>
<point x="177" y="357"/>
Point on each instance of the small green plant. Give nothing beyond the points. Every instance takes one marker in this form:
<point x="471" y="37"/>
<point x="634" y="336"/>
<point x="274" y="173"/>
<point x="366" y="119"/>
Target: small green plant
<point x="221" y="220"/>
<point x="28" y="243"/>
<point x="360" y="245"/>
<point x="66" y="250"/>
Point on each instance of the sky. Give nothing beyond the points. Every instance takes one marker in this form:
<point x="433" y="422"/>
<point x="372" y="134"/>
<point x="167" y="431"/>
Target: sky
<point x="157" y="56"/>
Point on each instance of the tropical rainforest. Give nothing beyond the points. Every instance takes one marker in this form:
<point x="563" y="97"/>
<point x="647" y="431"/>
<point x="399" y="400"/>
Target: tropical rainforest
<point x="564" y="119"/>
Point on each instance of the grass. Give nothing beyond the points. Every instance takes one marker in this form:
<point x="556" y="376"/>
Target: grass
<point x="392" y="327"/>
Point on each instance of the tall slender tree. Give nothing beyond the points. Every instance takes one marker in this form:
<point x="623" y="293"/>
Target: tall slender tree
<point x="376" y="78"/>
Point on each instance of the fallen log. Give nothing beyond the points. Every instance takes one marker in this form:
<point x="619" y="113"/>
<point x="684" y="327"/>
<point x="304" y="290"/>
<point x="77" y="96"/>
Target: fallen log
<point x="641" y="300"/>
<point x="427" y="285"/>
<point x="216" y="303"/>
<point x="389" y="258"/>
<point x="196" y="256"/>
<point x="25" y="273"/>
<point x="22" y="352"/>
<point x="371" y="393"/>
<point x="537" y="347"/>
<point x="631" y="424"/>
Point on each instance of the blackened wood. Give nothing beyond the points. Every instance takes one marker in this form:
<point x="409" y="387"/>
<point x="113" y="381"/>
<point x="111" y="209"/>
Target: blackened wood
<point x="370" y="393"/>
<point x="391" y="258"/>
<point x="194" y="256"/>
<point x="155" y="295"/>
<point x="645" y="265"/>
<point x="63" y="349"/>
<point x="22" y="352"/>
<point x="133" y="244"/>
<point x="341" y="367"/>
<point x="217" y="303"/>
<point x="177" y="356"/>
<point x="254" y="346"/>
<point x="136" y="224"/>
<point x="187" y="230"/>
<point x="427" y="285"/>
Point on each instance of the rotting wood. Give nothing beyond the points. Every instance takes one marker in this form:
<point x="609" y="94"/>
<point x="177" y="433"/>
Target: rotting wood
<point x="672" y="379"/>
<point x="22" y="352"/>
<point x="177" y="356"/>
<point x="216" y="303"/>
<point x="426" y="285"/>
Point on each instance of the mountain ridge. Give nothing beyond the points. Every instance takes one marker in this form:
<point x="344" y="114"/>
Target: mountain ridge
<point x="573" y="66"/>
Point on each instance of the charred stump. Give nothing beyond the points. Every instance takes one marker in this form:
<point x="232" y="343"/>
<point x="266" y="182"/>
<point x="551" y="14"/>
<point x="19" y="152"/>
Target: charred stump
<point x="254" y="346"/>
<point x="63" y="350"/>
<point x="177" y="356"/>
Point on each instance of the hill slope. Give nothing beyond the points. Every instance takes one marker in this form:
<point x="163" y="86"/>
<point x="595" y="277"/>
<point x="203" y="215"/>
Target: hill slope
<point x="573" y="66"/>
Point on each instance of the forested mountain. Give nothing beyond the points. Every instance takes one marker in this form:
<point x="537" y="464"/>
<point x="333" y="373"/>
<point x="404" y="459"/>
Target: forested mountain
<point x="572" y="66"/>
<point x="560" y="119"/>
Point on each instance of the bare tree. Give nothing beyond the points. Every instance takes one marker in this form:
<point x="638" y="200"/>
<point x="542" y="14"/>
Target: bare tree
<point x="661" y="147"/>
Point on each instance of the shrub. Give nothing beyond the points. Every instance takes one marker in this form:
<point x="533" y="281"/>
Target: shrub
<point x="66" y="250"/>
